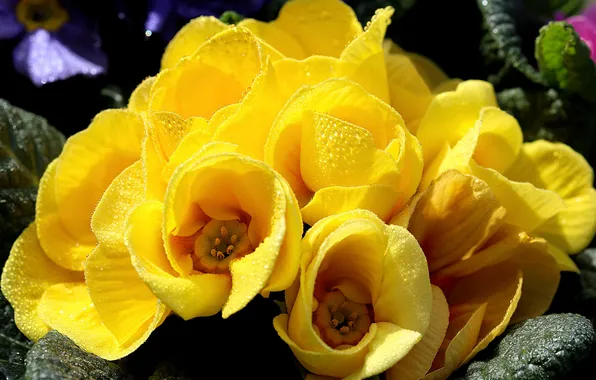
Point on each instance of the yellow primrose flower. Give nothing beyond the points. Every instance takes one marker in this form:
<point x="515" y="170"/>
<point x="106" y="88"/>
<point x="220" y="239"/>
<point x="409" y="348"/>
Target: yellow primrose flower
<point x="227" y="229"/>
<point x="491" y="272"/>
<point x="535" y="182"/>
<point x="43" y="278"/>
<point x="341" y="148"/>
<point x="362" y="300"/>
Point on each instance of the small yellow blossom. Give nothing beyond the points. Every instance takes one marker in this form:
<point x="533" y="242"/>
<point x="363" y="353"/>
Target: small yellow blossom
<point x="43" y="278"/>
<point x="227" y="229"/>
<point x="492" y="273"/>
<point x="362" y="300"/>
<point x="546" y="188"/>
<point x="341" y="148"/>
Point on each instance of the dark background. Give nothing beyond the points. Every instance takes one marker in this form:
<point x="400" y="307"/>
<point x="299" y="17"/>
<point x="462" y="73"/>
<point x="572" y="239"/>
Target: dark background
<point x="449" y="32"/>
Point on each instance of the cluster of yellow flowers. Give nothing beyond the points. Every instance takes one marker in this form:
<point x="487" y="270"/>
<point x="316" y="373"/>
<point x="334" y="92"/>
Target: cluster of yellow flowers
<point x="433" y="226"/>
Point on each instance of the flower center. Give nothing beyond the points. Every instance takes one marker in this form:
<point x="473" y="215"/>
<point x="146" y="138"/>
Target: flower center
<point x="218" y="243"/>
<point x="340" y="321"/>
<point x="41" y="14"/>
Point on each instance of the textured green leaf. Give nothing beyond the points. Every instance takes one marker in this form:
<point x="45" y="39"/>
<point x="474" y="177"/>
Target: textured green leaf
<point x="27" y="145"/>
<point x="55" y="357"/>
<point x="556" y="346"/>
<point x="564" y="60"/>
<point x="504" y="38"/>
<point x="13" y="344"/>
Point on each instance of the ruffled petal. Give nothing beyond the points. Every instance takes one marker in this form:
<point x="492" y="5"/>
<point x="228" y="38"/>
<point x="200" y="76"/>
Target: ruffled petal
<point x="28" y="272"/>
<point x="307" y="21"/>
<point x="405" y="297"/>
<point x="527" y="206"/>
<point x="379" y="199"/>
<point x="189" y="38"/>
<point x="190" y="296"/>
<point x="223" y="68"/>
<point x="60" y="245"/>
<point x="454" y="217"/>
<point x="451" y="114"/>
<point x="139" y="99"/>
<point x="68" y="309"/>
<point x="557" y="167"/>
<point x="276" y="37"/>
<point x="420" y="358"/>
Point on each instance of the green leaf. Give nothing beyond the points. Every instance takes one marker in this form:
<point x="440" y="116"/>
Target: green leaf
<point x="504" y="38"/>
<point x="13" y="344"/>
<point x="27" y="145"/>
<point x="556" y="346"/>
<point x="55" y="357"/>
<point x="564" y="60"/>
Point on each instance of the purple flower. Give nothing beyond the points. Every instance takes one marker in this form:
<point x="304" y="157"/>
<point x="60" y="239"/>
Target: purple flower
<point x="166" y="15"/>
<point x="56" y="44"/>
<point x="585" y="26"/>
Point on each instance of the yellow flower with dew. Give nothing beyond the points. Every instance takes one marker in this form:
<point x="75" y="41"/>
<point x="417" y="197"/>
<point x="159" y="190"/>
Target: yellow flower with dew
<point x="362" y="300"/>
<point x="492" y="273"/>
<point x="341" y="149"/>
<point x="546" y="188"/>
<point x="228" y="229"/>
<point x="360" y="58"/>
<point x="43" y="278"/>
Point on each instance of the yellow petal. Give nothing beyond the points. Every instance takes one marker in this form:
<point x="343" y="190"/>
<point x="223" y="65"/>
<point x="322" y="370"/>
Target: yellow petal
<point x="258" y="108"/>
<point x="189" y="297"/>
<point x="339" y="98"/>
<point x="379" y="199"/>
<point x="500" y="140"/>
<point x="499" y="288"/>
<point x="557" y="167"/>
<point x="564" y="262"/>
<point x="329" y="362"/>
<point x="456" y="158"/>
<point x="139" y="100"/>
<point x="409" y="94"/>
<point x="431" y="73"/>
<point x="125" y="193"/>
<point x="527" y="206"/>
<point x="91" y="159"/>
<point x="274" y="36"/>
<point x="58" y="243"/>
<point x="167" y="129"/>
<point x="419" y="360"/>
<point x="348" y="157"/>
<point x="28" y="272"/>
<point x="451" y="114"/>
<point x="462" y="335"/>
<point x="390" y="344"/>
<point x="189" y="38"/>
<point x="454" y="217"/>
<point x="405" y="297"/>
<point x="121" y="299"/>
<point x="223" y="68"/>
<point x="188" y="147"/>
<point x="366" y="51"/>
<point x="541" y="276"/>
<point x="287" y="264"/>
<point x="293" y="73"/>
<point x="68" y="309"/>
<point x="322" y="27"/>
